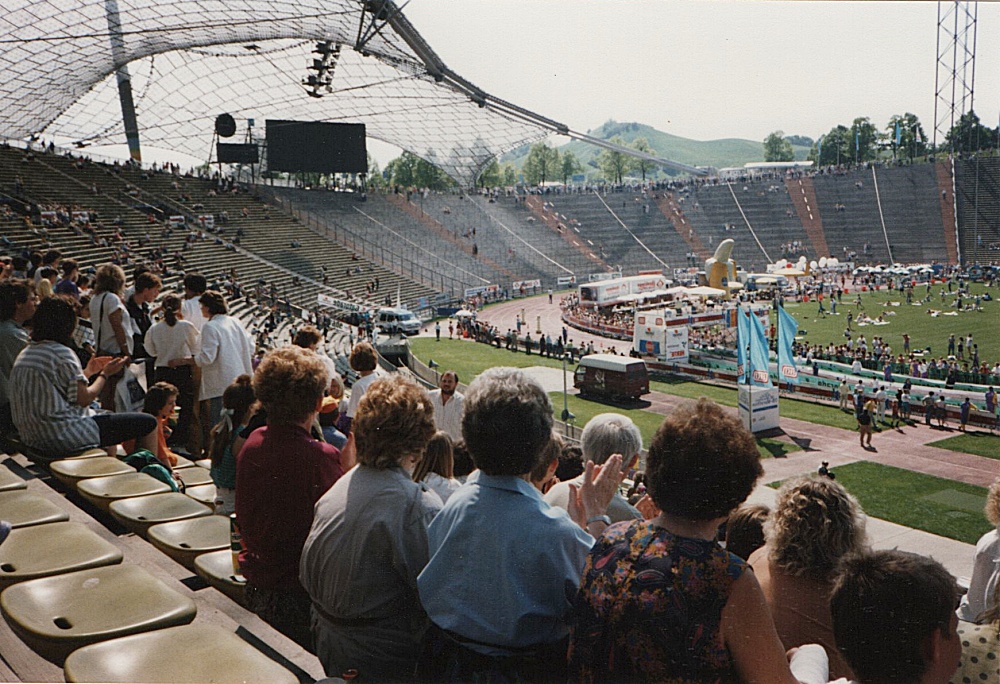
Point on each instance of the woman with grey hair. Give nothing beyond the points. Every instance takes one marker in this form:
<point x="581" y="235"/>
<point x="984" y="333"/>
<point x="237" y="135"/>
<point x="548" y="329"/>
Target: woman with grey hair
<point x="605" y="434"/>
<point x="814" y="523"/>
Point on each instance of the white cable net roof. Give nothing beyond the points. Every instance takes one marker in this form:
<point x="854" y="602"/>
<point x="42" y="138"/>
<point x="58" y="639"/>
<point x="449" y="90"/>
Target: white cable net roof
<point x="191" y="60"/>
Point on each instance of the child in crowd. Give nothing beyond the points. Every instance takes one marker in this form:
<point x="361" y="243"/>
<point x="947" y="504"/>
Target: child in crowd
<point x="160" y="401"/>
<point x="894" y="619"/>
<point x="745" y="529"/>
<point x="436" y="468"/>
<point x="238" y="405"/>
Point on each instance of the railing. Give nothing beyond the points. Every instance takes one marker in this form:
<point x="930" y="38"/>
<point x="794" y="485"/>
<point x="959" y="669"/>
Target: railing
<point x="433" y="276"/>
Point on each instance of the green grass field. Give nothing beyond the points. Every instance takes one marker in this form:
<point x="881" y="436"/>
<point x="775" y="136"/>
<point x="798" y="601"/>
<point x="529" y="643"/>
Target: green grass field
<point x="923" y="502"/>
<point x="469" y="360"/>
<point x="979" y="443"/>
<point x="789" y="408"/>
<point x="924" y="330"/>
<point x="648" y="422"/>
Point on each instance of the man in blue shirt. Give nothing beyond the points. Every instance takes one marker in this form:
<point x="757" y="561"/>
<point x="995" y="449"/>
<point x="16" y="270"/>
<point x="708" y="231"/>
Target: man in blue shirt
<point x="503" y="563"/>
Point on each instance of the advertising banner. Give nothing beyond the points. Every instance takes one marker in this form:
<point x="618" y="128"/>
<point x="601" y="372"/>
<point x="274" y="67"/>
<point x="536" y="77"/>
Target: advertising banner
<point x="759" y="408"/>
<point x="787" y="329"/>
<point x="334" y="303"/>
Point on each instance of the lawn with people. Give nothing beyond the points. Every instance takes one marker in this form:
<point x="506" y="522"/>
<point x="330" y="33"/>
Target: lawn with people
<point x="928" y="319"/>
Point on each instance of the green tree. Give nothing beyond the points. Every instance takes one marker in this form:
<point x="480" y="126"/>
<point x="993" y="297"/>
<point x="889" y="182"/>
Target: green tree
<point x="375" y="178"/>
<point x="509" y="174"/>
<point x="490" y="176"/>
<point x="836" y="147"/>
<point x="402" y="169"/>
<point x="864" y="139"/>
<point x="570" y="166"/>
<point x="614" y="164"/>
<point x="969" y="135"/>
<point x="541" y="165"/>
<point x="643" y="166"/>
<point x="427" y="175"/>
<point x="912" y="139"/>
<point x="777" y="148"/>
<point x="409" y="170"/>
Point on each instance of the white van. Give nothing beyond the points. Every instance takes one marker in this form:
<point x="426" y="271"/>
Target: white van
<point x="397" y="321"/>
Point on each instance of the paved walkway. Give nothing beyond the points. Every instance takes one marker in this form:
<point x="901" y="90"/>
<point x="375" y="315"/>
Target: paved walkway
<point x="903" y="447"/>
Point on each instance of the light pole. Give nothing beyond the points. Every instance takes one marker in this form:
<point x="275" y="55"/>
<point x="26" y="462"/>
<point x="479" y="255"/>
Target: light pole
<point x="566" y="415"/>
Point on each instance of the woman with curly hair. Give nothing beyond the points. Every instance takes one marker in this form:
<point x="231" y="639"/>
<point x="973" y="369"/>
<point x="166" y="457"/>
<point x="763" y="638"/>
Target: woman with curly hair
<point x="984" y="586"/>
<point x="814" y="523"/>
<point x="660" y="599"/>
<point x="281" y="473"/>
<point x="368" y="542"/>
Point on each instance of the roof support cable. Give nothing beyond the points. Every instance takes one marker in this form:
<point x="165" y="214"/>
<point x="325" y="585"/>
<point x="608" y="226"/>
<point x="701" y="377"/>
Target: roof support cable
<point x="747" y="221"/>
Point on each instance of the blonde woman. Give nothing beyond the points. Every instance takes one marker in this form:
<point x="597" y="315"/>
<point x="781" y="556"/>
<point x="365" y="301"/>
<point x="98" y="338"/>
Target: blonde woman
<point x="814" y="523"/>
<point x="111" y="323"/>
<point x="108" y="315"/>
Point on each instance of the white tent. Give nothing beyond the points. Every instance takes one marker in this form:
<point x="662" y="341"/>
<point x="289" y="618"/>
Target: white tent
<point x="705" y="291"/>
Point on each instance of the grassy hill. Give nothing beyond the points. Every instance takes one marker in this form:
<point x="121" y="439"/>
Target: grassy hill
<point x="717" y="153"/>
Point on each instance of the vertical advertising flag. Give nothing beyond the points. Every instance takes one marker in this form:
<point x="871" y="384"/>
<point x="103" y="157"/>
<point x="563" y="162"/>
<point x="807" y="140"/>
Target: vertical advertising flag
<point x="787" y="328"/>
<point x="759" y="374"/>
<point x="742" y="338"/>
<point x="899" y="134"/>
